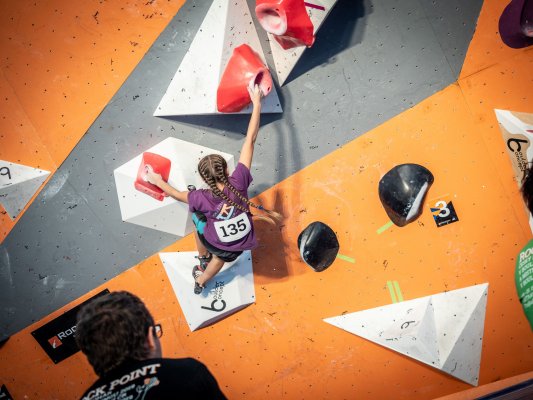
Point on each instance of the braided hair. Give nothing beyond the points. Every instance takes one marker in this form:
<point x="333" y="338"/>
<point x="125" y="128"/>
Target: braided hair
<point x="212" y="169"/>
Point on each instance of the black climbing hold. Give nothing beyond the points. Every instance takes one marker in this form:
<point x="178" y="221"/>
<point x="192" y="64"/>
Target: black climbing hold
<point x="318" y="246"/>
<point x="402" y="191"/>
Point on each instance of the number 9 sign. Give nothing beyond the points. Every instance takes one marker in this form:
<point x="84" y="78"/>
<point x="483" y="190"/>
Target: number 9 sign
<point x="5" y="172"/>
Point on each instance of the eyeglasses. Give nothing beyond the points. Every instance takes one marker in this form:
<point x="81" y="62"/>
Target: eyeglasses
<point x="158" y="331"/>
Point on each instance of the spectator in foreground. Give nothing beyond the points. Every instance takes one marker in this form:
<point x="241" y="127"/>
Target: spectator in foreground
<point x="121" y="341"/>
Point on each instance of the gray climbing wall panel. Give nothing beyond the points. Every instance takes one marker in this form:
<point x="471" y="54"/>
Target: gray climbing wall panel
<point x="371" y="61"/>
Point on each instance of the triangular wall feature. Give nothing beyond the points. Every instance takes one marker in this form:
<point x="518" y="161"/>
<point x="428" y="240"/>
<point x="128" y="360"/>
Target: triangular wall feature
<point x="444" y="330"/>
<point x="226" y="293"/>
<point x="193" y="90"/>
<point x="469" y="342"/>
<point x="517" y="132"/>
<point x="413" y="330"/>
<point x="285" y="60"/>
<point x="18" y="184"/>
<point x="169" y="215"/>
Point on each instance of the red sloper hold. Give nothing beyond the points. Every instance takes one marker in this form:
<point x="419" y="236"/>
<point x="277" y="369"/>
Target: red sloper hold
<point x="160" y="165"/>
<point x="287" y="20"/>
<point x="245" y="69"/>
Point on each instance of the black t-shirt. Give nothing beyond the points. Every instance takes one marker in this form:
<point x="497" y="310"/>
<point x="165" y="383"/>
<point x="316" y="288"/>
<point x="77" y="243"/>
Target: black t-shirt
<point x="157" y="378"/>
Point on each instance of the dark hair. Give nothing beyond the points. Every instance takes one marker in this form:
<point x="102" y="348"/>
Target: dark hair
<point x="527" y="188"/>
<point x="113" y="329"/>
<point x="212" y="169"/>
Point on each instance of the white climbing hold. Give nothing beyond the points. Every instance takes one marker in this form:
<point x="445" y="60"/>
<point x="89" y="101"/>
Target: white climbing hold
<point x="168" y="215"/>
<point x="444" y="330"/>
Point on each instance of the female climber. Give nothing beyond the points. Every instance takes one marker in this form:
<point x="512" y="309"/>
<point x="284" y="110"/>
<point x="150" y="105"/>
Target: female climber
<point x="221" y="213"/>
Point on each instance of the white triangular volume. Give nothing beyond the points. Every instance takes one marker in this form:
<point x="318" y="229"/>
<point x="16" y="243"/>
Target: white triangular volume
<point x="285" y="60"/>
<point x="453" y="310"/>
<point x="18" y="184"/>
<point x="193" y="90"/>
<point x="406" y="327"/>
<point x="229" y="291"/>
<point x="467" y="368"/>
<point x="513" y="124"/>
<point x="518" y="126"/>
<point x="169" y="215"/>
<point x="444" y="331"/>
<point x="413" y="331"/>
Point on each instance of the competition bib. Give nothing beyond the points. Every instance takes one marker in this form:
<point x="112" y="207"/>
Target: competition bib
<point x="233" y="229"/>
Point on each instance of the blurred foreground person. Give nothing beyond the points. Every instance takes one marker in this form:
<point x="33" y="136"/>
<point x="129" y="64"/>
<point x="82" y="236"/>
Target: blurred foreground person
<point x="121" y="341"/>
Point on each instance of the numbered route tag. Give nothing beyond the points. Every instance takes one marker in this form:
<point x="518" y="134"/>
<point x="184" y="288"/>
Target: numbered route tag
<point x="5" y="176"/>
<point x="444" y="213"/>
<point x="233" y="229"/>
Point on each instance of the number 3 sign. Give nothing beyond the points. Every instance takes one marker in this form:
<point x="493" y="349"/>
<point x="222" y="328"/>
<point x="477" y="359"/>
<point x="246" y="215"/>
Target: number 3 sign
<point x="444" y="213"/>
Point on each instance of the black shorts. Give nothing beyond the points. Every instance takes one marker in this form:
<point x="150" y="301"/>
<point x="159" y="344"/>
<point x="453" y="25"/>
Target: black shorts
<point x="224" y="255"/>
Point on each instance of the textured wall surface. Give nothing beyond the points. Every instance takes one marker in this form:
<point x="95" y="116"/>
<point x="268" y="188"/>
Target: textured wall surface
<point x="371" y="61"/>
<point x="387" y="83"/>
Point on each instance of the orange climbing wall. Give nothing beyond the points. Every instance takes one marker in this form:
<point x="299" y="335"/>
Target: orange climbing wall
<point x="490" y="89"/>
<point x="486" y="48"/>
<point x="279" y="347"/>
<point x="497" y="76"/>
<point x="61" y="63"/>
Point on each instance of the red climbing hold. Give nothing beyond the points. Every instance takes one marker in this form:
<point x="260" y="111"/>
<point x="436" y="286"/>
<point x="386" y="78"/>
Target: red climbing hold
<point x="160" y="165"/>
<point x="245" y="69"/>
<point x="287" y="20"/>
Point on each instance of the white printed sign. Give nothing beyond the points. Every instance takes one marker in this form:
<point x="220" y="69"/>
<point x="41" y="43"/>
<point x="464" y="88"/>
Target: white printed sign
<point x="517" y="131"/>
<point x="18" y="184"/>
<point x="234" y="228"/>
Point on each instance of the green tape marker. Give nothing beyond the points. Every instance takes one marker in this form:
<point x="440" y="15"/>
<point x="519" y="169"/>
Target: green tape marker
<point x="398" y="291"/>
<point x="385" y="227"/>
<point x="391" y="291"/>
<point x="346" y="258"/>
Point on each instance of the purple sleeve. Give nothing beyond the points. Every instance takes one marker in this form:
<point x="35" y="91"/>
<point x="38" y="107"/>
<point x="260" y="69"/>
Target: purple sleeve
<point x="193" y="199"/>
<point x="241" y="177"/>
